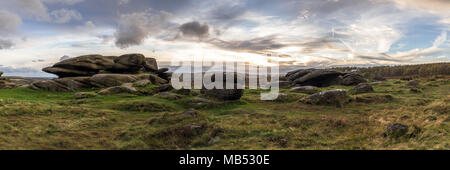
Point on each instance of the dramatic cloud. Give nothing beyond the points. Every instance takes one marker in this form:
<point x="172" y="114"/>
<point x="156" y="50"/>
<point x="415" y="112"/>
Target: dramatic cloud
<point x="195" y="29"/>
<point x="68" y="2"/>
<point x="252" y="45"/>
<point x="438" y="7"/>
<point x="65" y="15"/>
<point x="9" y="22"/>
<point x="135" y="27"/>
<point x="32" y="8"/>
<point x="6" y="44"/>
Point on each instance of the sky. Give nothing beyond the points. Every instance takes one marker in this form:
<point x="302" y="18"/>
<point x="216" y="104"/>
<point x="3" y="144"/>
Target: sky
<point x="300" y="33"/>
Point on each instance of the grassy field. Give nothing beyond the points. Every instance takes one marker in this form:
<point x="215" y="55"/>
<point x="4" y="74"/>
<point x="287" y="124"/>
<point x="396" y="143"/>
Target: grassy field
<point x="31" y="119"/>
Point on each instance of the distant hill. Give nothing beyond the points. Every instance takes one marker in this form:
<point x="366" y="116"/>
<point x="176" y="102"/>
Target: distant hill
<point x="419" y="70"/>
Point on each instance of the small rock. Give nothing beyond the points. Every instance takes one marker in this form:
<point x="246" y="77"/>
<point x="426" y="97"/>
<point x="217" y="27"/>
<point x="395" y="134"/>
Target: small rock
<point x="353" y="79"/>
<point x="396" y="130"/>
<point x="362" y="88"/>
<point x="83" y="95"/>
<point x="412" y="83"/>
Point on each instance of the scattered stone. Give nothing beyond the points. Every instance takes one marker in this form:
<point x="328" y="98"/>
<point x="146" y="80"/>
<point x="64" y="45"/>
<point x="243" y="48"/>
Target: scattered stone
<point x="336" y="97"/>
<point x="84" y="95"/>
<point x="352" y="79"/>
<point x="305" y="89"/>
<point x="362" y="88"/>
<point x="412" y="83"/>
<point x="396" y="130"/>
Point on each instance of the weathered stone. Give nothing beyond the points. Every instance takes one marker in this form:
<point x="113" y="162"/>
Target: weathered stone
<point x="62" y="84"/>
<point x="412" y="83"/>
<point x="305" y="89"/>
<point x="150" y="64"/>
<point x="352" y="79"/>
<point x="283" y="84"/>
<point x="81" y="66"/>
<point x="396" y="130"/>
<point x="142" y="83"/>
<point x="117" y="90"/>
<point x="336" y="97"/>
<point x="109" y="80"/>
<point x="320" y="78"/>
<point x="362" y="88"/>
<point x="128" y="63"/>
<point x="163" y="88"/>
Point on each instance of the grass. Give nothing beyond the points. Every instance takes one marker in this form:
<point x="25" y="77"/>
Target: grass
<point x="31" y="119"/>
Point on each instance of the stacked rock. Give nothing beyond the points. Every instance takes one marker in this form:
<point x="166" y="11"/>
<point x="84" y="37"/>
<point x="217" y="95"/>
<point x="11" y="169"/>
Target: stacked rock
<point x="96" y="71"/>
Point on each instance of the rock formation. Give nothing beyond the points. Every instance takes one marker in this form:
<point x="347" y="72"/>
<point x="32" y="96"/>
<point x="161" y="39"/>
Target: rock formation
<point x="96" y="71"/>
<point x="323" y="78"/>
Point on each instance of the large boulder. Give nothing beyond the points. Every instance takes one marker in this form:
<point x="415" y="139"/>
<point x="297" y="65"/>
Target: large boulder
<point x="362" y="88"/>
<point x="128" y="63"/>
<point x="62" y="84"/>
<point x="87" y="65"/>
<point x="336" y="97"/>
<point x="319" y="78"/>
<point x="352" y="79"/>
<point x="109" y="80"/>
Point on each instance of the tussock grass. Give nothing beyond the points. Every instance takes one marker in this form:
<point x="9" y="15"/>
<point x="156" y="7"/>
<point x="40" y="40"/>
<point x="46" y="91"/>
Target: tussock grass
<point x="32" y="119"/>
